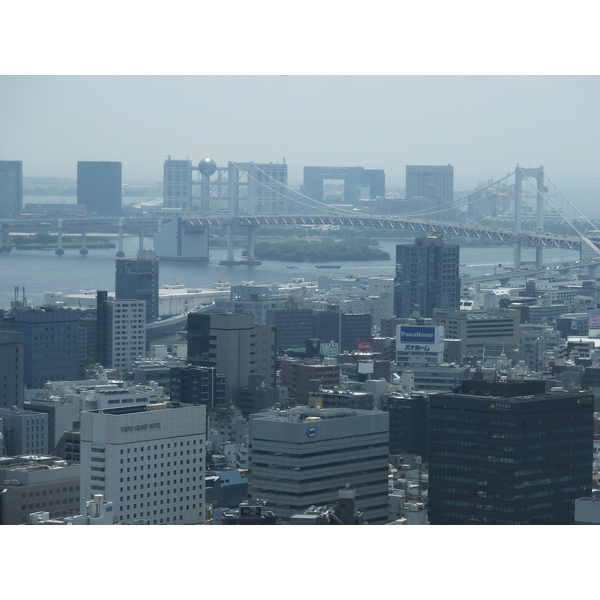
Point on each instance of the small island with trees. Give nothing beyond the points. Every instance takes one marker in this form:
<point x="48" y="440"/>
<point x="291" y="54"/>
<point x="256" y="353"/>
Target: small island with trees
<point x="328" y="250"/>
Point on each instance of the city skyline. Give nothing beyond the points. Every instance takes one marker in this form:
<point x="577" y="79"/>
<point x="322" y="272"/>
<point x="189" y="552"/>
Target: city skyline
<point x="483" y="125"/>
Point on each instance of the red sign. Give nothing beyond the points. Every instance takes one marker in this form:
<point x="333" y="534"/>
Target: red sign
<point x="364" y="346"/>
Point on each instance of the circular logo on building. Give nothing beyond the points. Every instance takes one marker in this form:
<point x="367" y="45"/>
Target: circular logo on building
<point x="311" y="431"/>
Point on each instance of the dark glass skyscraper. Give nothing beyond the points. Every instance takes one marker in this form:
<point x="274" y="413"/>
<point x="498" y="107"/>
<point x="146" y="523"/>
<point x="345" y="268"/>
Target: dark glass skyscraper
<point x="137" y="279"/>
<point x="426" y="276"/>
<point x="508" y="453"/>
<point x="99" y="187"/>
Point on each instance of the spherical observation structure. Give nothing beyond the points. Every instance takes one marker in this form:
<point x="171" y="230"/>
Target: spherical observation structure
<point x="207" y="166"/>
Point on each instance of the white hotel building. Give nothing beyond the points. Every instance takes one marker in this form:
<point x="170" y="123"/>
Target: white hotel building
<point x="147" y="460"/>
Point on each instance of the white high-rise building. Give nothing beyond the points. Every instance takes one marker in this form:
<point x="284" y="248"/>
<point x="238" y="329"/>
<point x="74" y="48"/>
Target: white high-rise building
<point x="122" y="331"/>
<point x="177" y="192"/>
<point x="147" y="460"/>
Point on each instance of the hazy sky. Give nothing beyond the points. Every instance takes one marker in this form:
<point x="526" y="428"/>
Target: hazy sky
<point x="483" y="125"/>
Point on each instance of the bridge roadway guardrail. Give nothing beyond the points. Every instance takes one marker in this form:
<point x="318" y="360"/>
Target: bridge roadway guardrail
<point x="136" y="224"/>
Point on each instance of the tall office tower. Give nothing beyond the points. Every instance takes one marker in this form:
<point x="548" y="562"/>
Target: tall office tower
<point x="121" y="332"/>
<point x="267" y="189"/>
<point x="266" y="354"/>
<point x="408" y="424"/>
<point x="11" y="188"/>
<point x="426" y="276"/>
<point x="50" y="343"/>
<point x="226" y="341"/>
<point x="355" y="327"/>
<point x="147" y="460"/>
<point x="99" y="187"/>
<point x="197" y="385"/>
<point x="509" y="453"/>
<point x="320" y="451"/>
<point x="11" y="369"/>
<point x="432" y="183"/>
<point x="137" y="279"/>
<point x="177" y="182"/>
<point x="326" y="324"/>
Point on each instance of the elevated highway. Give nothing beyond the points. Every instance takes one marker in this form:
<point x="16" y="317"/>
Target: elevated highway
<point x="562" y="269"/>
<point x="140" y="225"/>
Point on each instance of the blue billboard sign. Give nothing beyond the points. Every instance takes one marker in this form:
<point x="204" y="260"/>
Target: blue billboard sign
<point x="417" y="335"/>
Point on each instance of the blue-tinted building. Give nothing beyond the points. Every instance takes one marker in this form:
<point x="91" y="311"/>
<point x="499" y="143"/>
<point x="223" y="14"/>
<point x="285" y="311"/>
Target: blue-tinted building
<point x="11" y="188"/>
<point x="99" y="186"/>
<point x="427" y="277"/>
<point x="50" y="343"/>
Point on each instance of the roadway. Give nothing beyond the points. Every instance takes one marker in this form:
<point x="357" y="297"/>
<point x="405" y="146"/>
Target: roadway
<point x="138" y="224"/>
<point x="560" y="269"/>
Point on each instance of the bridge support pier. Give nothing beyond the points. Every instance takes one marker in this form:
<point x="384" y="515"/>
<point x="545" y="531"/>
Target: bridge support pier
<point x="230" y="261"/>
<point x="5" y="239"/>
<point x="251" y="260"/>
<point x="521" y="174"/>
<point x="59" y="249"/>
<point x="517" y="251"/>
<point x="539" y="257"/>
<point x="83" y="250"/>
<point x="120" y="253"/>
<point x="591" y="269"/>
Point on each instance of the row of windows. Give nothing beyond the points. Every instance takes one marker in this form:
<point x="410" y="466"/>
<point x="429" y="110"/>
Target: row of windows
<point x="301" y="483"/>
<point x="162" y="447"/>
<point x="187" y="489"/>
<point x="50" y="503"/>
<point x="50" y="492"/>
<point x="161" y="466"/>
<point x="309" y="455"/>
<point x="121" y="480"/>
<point x="583" y="450"/>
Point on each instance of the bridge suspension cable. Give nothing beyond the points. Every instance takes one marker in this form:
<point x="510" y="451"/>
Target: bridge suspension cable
<point x="333" y="212"/>
<point x="583" y="237"/>
<point x="433" y="210"/>
<point x="570" y="203"/>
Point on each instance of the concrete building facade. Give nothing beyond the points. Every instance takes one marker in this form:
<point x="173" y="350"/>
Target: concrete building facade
<point x="11" y="188"/>
<point x="177" y="182"/>
<point x="11" y="369"/>
<point x="480" y="330"/>
<point x="37" y="483"/>
<point x="99" y="186"/>
<point x="228" y="342"/>
<point x="121" y="332"/>
<point x="149" y="461"/>
<point x="431" y="183"/>
<point x="303" y="457"/>
<point x="25" y="432"/>
<point x="297" y="374"/>
<point x="50" y="343"/>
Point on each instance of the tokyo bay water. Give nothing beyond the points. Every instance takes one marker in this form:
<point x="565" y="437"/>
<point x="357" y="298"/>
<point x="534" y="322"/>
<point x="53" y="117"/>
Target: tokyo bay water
<point x="41" y="271"/>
